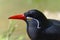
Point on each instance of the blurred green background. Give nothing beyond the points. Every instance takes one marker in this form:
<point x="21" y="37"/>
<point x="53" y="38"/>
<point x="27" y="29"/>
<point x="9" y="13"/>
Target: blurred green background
<point x="51" y="8"/>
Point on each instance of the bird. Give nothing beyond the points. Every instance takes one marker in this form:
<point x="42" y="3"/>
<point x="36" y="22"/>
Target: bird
<point x="39" y="27"/>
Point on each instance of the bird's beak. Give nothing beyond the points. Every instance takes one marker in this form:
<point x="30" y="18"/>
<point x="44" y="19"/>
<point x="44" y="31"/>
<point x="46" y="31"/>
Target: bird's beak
<point x="20" y="16"/>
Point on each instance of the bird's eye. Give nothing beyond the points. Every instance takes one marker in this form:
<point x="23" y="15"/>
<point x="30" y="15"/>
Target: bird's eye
<point x="29" y="18"/>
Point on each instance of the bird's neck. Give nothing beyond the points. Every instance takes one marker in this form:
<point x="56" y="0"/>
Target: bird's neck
<point x="43" y="23"/>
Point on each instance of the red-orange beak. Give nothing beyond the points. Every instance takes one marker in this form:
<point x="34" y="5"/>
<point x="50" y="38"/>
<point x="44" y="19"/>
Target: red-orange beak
<point x="20" y="16"/>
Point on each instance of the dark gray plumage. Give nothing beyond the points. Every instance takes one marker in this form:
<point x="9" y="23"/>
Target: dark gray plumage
<point x="50" y="33"/>
<point x="49" y="28"/>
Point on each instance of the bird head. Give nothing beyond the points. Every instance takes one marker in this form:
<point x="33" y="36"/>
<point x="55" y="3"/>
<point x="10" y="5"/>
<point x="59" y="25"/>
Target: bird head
<point x="31" y="14"/>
